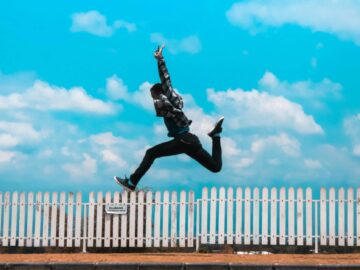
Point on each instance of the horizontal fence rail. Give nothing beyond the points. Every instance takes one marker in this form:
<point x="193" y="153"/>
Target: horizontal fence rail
<point x="241" y="216"/>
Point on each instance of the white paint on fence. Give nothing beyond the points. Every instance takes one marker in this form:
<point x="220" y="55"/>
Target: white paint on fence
<point x="21" y="219"/>
<point x="282" y="224"/>
<point x="221" y="221"/>
<point x="30" y="214"/>
<point x="332" y="217"/>
<point x="256" y="217"/>
<point x="173" y="219"/>
<point x="182" y="219"/>
<point x="273" y="217"/>
<point x="341" y="217"/>
<point x="165" y="238"/>
<point x="157" y="219"/>
<point x="309" y="217"/>
<point x="14" y="207"/>
<point x="132" y="216"/>
<point x="238" y="223"/>
<point x="231" y="219"/>
<point x="300" y="217"/>
<point x="204" y="217"/>
<point x="230" y="213"/>
<point x="247" y="218"/>
<point x="213" y="204"/>
<point x="291" y="216"/>
<point x="265" y="217"/>
<point x="191" y="207"/>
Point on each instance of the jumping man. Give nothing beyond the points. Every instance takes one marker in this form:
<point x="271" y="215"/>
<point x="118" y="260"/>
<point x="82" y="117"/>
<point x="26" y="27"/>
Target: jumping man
<point x="168" y="104"/>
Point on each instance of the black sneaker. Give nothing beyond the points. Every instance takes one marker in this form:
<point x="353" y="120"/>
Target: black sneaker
<point x="217" y="128"/>
<point x="125" y="183"/>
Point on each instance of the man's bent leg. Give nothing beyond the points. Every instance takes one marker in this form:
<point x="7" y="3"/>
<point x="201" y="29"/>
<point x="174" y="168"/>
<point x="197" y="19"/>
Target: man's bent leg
<point x="169" y="148"/>
<point x="212" y="163"/>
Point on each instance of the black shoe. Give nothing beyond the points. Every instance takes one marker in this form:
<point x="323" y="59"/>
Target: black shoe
<point x="125" y="183"/>
<point x="217" y="128"/>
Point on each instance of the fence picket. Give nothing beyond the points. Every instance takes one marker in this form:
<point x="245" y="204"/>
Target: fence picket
<point x="282" y="221"/>
<point x="140" y="227"/>
<point x="21" y="218"/>
<point x="204" y="216"/>
<point x="332" y="217"/>
<point x="182" y="219"/>
<point x="221" y="218"/>
<point x="173" y="219"/>
<point x="247" y="217"/>
<point x="45" y="233"/>
<point x="54" y="208"/>
<point x="165" y="234"/>
<point x="78" y="219"/>
<point x="264" y="216"/>
<point x="230" y="214"/>
<point x="124" y="200"/>
<point x="62" y="219"/>
<point x="148" y="219"/>
<point x="291" y="216"/>
<point x="14" y="218"/>
<point x="91" y="218"/>
<point x="115" y="220"/>
<point x="350" y="217"/>
<point x="157" y="219"/>
<point x="190" y="234"/>
<point x="358" y="217"/>
<point x="341" y="217"/>
<point x="30" y="215"/>
<point x="5" y="239"/>
<point x="256" y="217"/>
<point x="309" y="217"/>
<point x="1" y="207"/>
<point x="213" y="204"/>
<point x="273" y="239"/>
<point x="70" y="220"/>
<point x="107" y="221"/>
<point x="323" y="217"/>
<point x="300" y="217"/>
<point x="38" y="210"/>
<point x="99" y="218"/>
<point x="132" y="216"/>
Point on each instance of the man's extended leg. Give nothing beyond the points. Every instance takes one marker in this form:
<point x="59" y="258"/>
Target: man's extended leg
<point x="169" y="148"/>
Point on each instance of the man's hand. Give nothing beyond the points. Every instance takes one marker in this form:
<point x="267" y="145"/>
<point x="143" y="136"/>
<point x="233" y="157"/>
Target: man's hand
<point x="158" y="52"/>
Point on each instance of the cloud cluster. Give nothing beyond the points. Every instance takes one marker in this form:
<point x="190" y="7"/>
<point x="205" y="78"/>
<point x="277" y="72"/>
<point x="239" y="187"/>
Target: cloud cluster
<point x="340" y="18"/>
<point x="95" y="23"/>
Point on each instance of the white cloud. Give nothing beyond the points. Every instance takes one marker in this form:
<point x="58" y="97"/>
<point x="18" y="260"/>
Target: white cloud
<point x="8" y="140"/>
<point x="42" y="96"/>
<point x="116" y="89"/>
<point x="190" y="44"/>
<point x="356" y="150"/>
<point x="95" y="23"/>
<point x="283" y="142"/>
<point x="16" y="133"/>
<point x="110" y="157"/>
<point x="16" y="82"/>
<point x="312" y="164"/>
<point x="7" y="156"/>
<point x="300" y="89"/>
<point x="341" y="18"/>
<point x="245" y="109"/>
<point x="87" y="168"/>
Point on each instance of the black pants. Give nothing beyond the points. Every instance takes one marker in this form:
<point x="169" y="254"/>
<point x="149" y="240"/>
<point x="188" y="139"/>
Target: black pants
<point x="187" y="143"/>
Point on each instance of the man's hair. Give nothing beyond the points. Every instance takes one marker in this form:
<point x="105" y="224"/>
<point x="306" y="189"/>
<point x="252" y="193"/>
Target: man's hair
<point x="156" y="89"/>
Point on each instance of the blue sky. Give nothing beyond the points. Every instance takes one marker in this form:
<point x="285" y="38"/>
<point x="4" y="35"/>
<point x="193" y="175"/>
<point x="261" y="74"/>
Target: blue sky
<point x="75" y="107"/>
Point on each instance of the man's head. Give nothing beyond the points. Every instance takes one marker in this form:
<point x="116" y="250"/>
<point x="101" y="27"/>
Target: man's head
<point x="155" y="90"/>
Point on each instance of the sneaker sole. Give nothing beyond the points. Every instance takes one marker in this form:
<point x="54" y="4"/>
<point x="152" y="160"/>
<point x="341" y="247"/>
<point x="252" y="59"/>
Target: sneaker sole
<point x="124" y="187"/>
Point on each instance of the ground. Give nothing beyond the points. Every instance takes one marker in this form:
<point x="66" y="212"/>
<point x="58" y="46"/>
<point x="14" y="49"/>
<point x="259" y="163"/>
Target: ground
<point x="184" y="257"/>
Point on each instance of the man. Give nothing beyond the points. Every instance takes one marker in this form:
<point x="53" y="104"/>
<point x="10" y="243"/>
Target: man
<point x="168" y="104"/>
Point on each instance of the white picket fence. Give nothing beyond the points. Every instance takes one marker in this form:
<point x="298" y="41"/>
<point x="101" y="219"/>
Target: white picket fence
<point x="163" y="219"/>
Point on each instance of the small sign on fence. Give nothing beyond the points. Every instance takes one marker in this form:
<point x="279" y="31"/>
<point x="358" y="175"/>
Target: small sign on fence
<point x="116" y="209"/>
